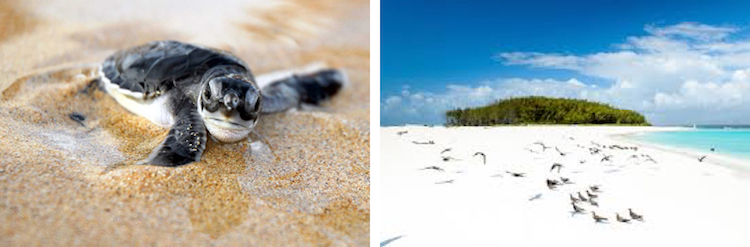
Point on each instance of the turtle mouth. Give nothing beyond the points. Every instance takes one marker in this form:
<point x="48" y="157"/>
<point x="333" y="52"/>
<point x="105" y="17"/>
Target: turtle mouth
<point x="227" y="124"/>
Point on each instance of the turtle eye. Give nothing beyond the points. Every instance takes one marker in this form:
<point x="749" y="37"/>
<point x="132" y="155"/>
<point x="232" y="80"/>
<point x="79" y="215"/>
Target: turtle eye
<point x="207" y="93"/>
<point x="256" y="108"/>
<point x="208" y="103"/>
<point x="252" y="100"/>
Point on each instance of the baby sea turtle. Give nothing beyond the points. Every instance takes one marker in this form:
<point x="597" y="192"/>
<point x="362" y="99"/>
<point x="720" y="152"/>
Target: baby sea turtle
<point x="198" y="91"/>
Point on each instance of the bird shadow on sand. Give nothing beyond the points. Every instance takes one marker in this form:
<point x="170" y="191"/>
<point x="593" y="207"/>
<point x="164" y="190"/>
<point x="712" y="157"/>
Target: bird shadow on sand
<point x="390" y="240"/>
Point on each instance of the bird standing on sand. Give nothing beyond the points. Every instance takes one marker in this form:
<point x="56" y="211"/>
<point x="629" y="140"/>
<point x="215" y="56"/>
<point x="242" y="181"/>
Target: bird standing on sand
<point x="649" y="158"/>
<point x="556" y="165"/>
<point x="591" y="195"/>
<point x="565" y="180"/>
<point x="581" y="197"/>
<point x="484" y="157"/>
<point x="402" y="132"/>
<point x="621" y="219"/>
<point x="593" y="203"/>
<point x="573" y="199"/>
<point x="598" y="218"/>
<point x="702" y="158"/>
<point x="634" y="215"/>
<point x="594" y="188"/>
<point x="577" y="209"/>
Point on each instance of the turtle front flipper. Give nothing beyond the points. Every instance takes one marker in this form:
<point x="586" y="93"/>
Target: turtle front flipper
<point x="292" y="91"/>
<point x="186" y="140"/>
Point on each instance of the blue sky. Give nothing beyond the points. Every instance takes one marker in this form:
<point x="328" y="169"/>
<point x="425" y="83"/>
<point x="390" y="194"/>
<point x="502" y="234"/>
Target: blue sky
<point x="677" y="62"/>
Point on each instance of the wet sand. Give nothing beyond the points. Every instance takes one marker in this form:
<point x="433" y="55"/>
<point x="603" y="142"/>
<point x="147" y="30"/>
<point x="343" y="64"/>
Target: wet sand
<point x="68" y="183"/>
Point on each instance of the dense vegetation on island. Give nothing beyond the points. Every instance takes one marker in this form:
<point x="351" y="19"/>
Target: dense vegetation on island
<point x="543" y="110"/>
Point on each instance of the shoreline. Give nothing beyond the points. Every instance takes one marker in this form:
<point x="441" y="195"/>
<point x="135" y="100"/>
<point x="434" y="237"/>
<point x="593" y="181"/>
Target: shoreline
<point x="736" y="164"/>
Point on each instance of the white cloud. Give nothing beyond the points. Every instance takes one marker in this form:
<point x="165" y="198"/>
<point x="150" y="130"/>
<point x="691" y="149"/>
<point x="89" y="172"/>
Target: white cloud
<point x="682" y="73"/>
<point x="419" y="107"/>
<point x="692" y="30"/>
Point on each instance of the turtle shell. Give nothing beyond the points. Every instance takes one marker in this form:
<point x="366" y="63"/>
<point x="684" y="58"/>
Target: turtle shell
<point x="152" y="68"/>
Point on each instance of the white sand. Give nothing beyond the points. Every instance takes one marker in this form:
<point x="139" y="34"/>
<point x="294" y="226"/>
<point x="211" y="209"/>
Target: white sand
<point x="683" y="201"/>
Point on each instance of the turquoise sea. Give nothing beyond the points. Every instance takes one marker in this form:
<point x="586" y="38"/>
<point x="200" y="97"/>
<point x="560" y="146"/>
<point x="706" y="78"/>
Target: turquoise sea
<point x="729" y="140"/>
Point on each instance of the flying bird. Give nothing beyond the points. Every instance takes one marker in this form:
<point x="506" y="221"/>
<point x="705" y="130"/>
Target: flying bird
<point x="552" y="184"/>
<point x="445" y="182"/>
<point x="445" y="150"/>
<point x="516" y="174"/>
<point x="544" y="147"/>
<point x="448" y="158"/>
<point x="484" y="157"/>
<point x="702" y="158"/>
<point x="423" y="143"/>
<point x="556" y="165"/>
<point x="433" y="168"/>
<point x="607" y="158"/>
<point x="565" y="180"/>
<point x="561" y="153"/>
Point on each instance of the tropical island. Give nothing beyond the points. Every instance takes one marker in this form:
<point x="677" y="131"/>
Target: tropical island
<point x="543" y="110"/>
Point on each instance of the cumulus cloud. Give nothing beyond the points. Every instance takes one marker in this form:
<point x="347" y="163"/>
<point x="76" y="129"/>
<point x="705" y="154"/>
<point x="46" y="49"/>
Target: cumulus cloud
<point x="678" y="74"/>
<point x="428" y="107"/>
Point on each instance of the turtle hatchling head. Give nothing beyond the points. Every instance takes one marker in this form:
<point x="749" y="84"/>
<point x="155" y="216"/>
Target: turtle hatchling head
<point x="230" y="106"/>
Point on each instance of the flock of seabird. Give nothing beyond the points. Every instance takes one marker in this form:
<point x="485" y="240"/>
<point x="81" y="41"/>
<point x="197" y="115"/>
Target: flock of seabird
<point x="589" y="196"/>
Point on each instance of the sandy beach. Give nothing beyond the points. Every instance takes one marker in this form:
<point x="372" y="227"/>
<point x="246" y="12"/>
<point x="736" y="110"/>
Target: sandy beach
<point x="64" y="183"/>
<point x="434" y="197"/>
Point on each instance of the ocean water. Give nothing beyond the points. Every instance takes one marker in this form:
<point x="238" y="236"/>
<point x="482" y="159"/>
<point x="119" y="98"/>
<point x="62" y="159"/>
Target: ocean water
<point x="732" y="141"/>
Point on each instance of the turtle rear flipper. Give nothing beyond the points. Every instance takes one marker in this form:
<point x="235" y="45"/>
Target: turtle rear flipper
<point x="185" y="142"/>
<point x="311" y="88"/>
